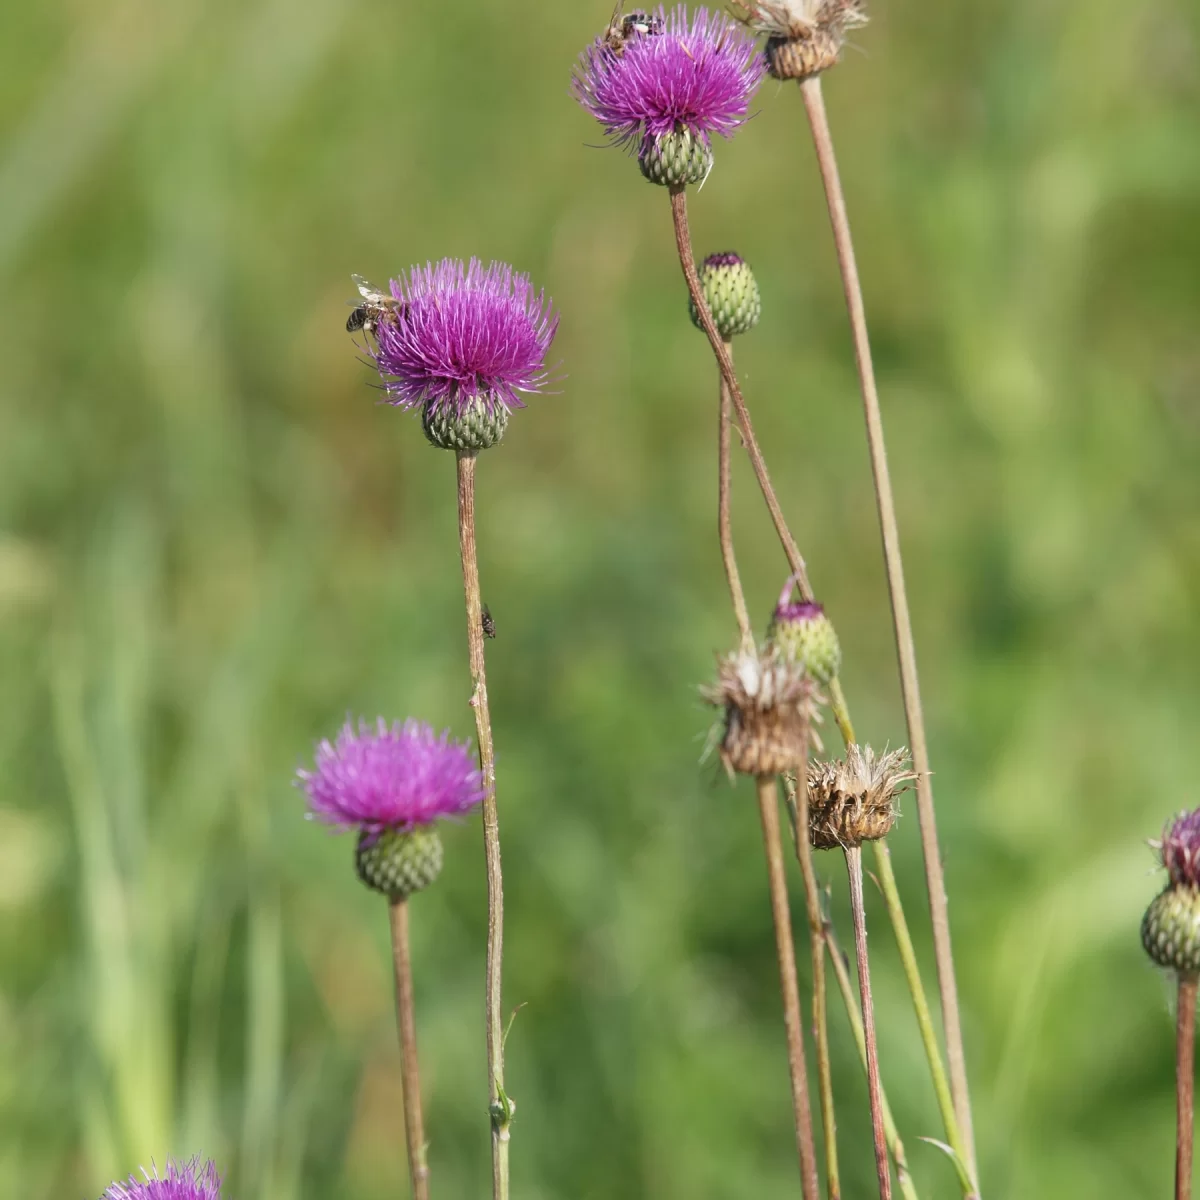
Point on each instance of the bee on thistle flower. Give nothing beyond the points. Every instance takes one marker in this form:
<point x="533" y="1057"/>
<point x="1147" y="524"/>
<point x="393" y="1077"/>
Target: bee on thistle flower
<point x="804" y="37"/>
<point x="183" y="1181"/>
<point x="665" y="91"/>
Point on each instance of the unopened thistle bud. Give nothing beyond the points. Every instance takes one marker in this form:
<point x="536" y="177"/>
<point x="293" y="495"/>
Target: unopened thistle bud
<point x="1171" y="926"/>
<point x="731" y="292"/>
<point x="805" y="636"/>
<point x="770" y="713"/>
<point x="853" y="800"/>
<point x="804" y="37"/>
<point x="676" y="159"/>
<point x="392" y="783"/>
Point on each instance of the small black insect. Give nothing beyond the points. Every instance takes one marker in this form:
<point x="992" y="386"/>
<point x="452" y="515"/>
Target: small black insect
<point x="488" y="623"/>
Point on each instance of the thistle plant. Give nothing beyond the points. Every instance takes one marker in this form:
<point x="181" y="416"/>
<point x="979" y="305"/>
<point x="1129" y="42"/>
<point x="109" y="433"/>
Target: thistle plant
<point x="464" y="344"/>
<point x="392" y="784"/>
<point x="805" y="38"/>
<point x="1171" y="937"/>
<point x="193" y="1180"/>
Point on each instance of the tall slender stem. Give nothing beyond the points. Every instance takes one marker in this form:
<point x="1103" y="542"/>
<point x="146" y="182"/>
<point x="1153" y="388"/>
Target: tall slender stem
<point x="414" y="1125"/>
<point x="769" y="813"/>
<point x="798" y="801"/>
<point x="859" y="912"/>
<point x="1185" y="1077"/>
<point x="500" y="1106"/>
<point x="683" y="243"/>
<point x="854" y="1014"/>
<point x="814" y="103"/>
<point x="724" y="516"/>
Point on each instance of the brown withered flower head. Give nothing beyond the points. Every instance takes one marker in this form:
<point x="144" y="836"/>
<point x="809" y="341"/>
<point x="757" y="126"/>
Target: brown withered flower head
<point x="853" y="800"/>
<point x="804" y="37"/>
<point x="771" y="712"/>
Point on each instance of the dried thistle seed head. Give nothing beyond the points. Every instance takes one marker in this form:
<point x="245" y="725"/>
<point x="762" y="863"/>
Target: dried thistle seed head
<point x="853" y="800"/>
<point x="1171" y="929"/>
<point x="731" y="292"/>
<point x="804" y="37"/>
<point x="771" y="712"/>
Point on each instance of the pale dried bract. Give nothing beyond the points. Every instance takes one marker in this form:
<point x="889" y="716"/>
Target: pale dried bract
<point x="804" y="37"/>
<point x="853" y="800"/>
<point x="771" y="713"/>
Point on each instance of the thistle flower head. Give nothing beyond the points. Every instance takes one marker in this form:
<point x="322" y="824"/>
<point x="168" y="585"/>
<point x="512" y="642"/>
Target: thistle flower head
<point x="694" y="75"/>
<point x="804" y="37"/>
<point x="393" y="777"/>
<point x="770" y="710"/>
<point x="853" y="800"/>
<point x="183" y="1181"/>
<point x="1179" y="849"/>
<point x="465" y="336"/>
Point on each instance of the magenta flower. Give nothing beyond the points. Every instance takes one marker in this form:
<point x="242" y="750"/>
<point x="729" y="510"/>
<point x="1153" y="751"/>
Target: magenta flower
<point x="686" y="76"/>
<point x="394" y="777"/>
<point x="1180" y="849"/>
<point x="183" y="1181"/>
<point x="465" y="333"/>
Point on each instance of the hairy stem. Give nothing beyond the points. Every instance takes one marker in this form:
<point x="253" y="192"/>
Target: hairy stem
<point x="683" y="243"/>
<point x="912" y="973"/>
<point x="777" y="881"/>
<point x="1185" y="1076"/>
<point x="859" y="912"/>
<point x="841" y="972"/>
<point x="724" y="518"/>
<point x="414" y="1125"/>
<point x="814" y="104"/>
<point x="500" y="1106"/>
<point x="797" y="793"/>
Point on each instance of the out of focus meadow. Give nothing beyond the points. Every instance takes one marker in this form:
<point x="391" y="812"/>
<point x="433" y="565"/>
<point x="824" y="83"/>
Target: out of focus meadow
<point x="215" y="543"/>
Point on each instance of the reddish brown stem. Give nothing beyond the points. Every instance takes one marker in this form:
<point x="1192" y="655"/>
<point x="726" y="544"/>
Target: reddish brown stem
<point x="724" y="513"/>
<point x="858" y="910"/>
<point x="414" y="1125"/>
<point x="768" y="808"/>
<point x="499" y="1104"/>
<point x="814" y="104"/>
<point x="1185" y="1077"/>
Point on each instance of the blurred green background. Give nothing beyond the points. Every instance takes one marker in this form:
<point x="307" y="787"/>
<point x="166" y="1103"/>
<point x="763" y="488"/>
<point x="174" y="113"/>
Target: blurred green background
<point x="214" y="543"/>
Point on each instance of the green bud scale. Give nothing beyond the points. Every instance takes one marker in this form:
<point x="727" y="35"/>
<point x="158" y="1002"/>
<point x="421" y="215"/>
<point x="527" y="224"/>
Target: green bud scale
<point x="806" y="638"/>
<point x="398" y="862"/>
<point x="676" y="159"/>
<point x="1171" y="929"/>
<point x="469" y="426"/>
<point x="731" y="292"/>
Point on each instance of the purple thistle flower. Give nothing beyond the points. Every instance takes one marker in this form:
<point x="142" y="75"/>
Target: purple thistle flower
<point x="391" y="778"/>
<point x="183" y="1181"/>
<point x="465" y="333"/>
<point x="1180" y="849"/>
<point x="695" y="76"/>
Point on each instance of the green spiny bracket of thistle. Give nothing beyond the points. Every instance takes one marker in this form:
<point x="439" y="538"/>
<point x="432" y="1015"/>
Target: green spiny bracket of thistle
<point x="731" y="292"/>
<point x="853" y="800"/>
<point x="770" y="711"/>
<point x="805" y="636"/>
<point x="662" y="85"/>
<point x="191" y="1180"/>
<point x="1171" y="926"/>
<point x="804" y="37"/>
<point x="460" y="343"/>
<point x="391" y="784"/>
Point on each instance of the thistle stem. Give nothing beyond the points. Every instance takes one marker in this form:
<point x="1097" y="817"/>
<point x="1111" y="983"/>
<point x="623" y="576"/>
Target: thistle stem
<point x="842" y="975"/>
<point x="814" y="103"/>
<point x="769" y="813"/>
<point x="500" y="1106"/>
<point x="1185" y="1075"/>
<point x="724" y="516"/>
<point x="414" y="1125"/>
<point x="798" y="803"/>
<point x="859" y="912"/>
<point x="683" y="243"/>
